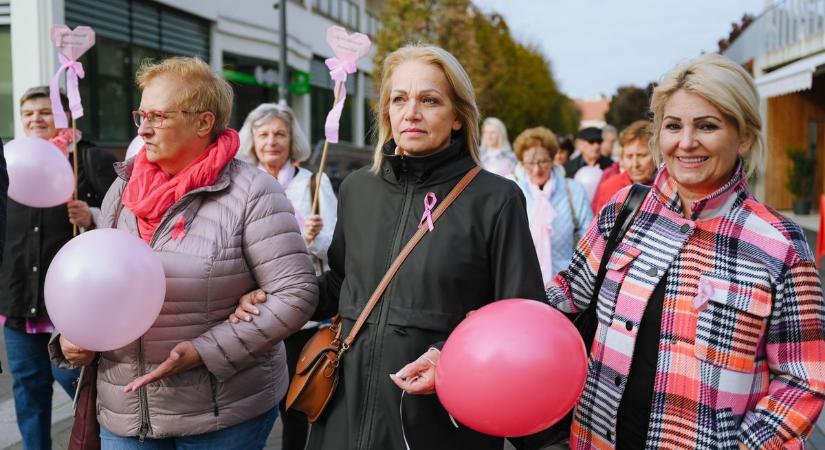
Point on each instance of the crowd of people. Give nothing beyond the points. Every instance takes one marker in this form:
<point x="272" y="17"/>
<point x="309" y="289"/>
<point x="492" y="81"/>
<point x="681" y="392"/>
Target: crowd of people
<point x="711" y="322"/>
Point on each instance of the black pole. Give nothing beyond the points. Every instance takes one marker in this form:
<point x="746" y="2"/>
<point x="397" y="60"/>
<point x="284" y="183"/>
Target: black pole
<point x="284" y="67"/>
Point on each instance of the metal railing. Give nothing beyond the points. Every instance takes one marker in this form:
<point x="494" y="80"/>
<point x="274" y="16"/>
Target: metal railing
<point x="782" y="24"/>
<point x="345" y="12"/>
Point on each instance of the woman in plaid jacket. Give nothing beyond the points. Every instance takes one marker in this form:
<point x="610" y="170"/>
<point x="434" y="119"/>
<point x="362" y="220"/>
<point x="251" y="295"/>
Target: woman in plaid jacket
<point x="711" y="314"/>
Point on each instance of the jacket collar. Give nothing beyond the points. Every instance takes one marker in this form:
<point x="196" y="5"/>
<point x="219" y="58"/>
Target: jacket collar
<point x="427" y="170"/>
<point x="717" y="204"/>
<point x="124" y="169"/>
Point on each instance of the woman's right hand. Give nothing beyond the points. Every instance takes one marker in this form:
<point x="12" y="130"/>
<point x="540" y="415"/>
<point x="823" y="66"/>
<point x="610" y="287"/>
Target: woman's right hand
<point x="77" y="356"/>
<point x="246" y="306"/>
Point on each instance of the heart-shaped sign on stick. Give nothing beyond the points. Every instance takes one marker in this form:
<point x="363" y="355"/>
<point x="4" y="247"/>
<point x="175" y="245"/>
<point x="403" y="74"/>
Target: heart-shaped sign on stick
<point x="347" y="47"/>
<point x="73" y="43"/>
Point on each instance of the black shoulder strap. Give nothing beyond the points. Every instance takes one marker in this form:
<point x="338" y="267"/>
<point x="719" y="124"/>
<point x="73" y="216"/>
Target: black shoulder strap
<point x="630" y="207"/>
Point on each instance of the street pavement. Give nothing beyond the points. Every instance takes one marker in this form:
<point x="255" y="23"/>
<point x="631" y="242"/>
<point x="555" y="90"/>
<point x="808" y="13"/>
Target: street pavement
<point x="62" y="409"/>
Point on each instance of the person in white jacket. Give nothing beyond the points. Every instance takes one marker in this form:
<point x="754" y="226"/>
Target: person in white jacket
<point x="273" y="139"/>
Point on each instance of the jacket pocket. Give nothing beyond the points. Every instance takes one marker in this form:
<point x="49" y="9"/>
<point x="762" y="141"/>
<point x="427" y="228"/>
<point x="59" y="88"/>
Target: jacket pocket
<point x="618" y="267"/>
<point x="732" y="319"/>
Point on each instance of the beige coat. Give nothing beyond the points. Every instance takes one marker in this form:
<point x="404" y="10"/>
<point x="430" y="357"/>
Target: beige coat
<point x="240" y="234"/>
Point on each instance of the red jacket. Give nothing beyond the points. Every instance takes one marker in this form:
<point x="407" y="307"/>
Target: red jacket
<point x="609" y="187"/>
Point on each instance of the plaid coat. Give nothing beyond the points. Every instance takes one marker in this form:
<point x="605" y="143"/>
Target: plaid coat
<point x="742" y="346"/>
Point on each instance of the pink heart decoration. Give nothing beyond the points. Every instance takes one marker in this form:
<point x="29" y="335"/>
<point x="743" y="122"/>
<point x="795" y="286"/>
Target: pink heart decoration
<point x="73" y="43"/>
<point x="348" y="47"/>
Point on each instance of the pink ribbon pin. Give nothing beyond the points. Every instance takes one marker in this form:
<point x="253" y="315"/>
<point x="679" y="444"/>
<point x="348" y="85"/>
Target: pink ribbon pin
<point x="700" y="302"/>
<point x="429" y="203"/>
<point x="179" y="230"/>
<point x="338" y="71"/>
<point x="74" y="70"/>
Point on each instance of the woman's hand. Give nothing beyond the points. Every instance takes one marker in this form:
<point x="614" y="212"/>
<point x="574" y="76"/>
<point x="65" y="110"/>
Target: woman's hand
<point x="418" y="377"/>
<point x="312" y="226"/>
<point x="80" y="214"/>
<point x="182" y="358"/>
<point x="246" y="306"/>
<point x="77" y="356"/>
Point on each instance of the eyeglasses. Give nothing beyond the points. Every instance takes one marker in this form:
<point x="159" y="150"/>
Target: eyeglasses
<point x="542" y="164"/>
<point x="154" y="118"/>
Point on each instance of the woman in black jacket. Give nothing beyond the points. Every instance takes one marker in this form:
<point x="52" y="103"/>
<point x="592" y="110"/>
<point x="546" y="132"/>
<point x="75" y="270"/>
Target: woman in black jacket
<point x="479" y="251"/>
<point x="33" y="237"/>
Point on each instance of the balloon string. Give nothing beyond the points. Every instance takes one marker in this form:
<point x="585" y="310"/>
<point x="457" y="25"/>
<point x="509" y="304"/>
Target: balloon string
<point x="401" y="414"/>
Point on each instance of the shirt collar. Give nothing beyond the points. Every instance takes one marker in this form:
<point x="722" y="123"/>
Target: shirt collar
<point x="717" y="204"/>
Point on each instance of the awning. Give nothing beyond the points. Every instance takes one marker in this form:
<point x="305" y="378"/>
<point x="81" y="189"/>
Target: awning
<point x="794" y="77"/>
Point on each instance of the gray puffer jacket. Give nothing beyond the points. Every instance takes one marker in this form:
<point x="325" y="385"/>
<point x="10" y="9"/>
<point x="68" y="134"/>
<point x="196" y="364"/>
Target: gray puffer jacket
<point x="240" y="234"/>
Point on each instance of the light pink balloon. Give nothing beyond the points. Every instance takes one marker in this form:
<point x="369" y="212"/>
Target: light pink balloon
<point x="589" y="177"/>
<point x="39" y="174"/>
<point x="134" y="147"/>
<point x="512" y="368"/>
<point x="104" y="289"/>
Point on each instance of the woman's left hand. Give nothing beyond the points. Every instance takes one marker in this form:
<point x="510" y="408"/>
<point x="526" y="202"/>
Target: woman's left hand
<point x="80" y="214"/>
<point x="418" y="377"/>
<point x="182" y="358"/>
<point x="312" y="226"/>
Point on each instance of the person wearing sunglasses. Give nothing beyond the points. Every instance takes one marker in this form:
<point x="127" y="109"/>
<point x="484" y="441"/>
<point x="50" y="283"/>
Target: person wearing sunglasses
<point x="557" y="207"/>
<point x="588" y="144"/>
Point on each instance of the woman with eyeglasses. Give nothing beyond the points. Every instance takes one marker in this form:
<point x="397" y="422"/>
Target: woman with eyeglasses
<point x="221" y="227"/>
<point x="557" y="207"/>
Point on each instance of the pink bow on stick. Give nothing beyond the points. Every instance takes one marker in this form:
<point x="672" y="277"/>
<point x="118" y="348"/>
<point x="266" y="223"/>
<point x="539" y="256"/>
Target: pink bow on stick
<point x="338" y="71"/>
<point x="74" y="71"/>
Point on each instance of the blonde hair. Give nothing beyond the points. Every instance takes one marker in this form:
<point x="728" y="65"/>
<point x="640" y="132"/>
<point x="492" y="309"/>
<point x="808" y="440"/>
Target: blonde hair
<point x="201" y="89"/>
<point x="298" y="144"/>
<point x="532" y="137"/>
<point x="498" y="125"/>
<point x="727" y="86"/>
<point x="461" y="94"/>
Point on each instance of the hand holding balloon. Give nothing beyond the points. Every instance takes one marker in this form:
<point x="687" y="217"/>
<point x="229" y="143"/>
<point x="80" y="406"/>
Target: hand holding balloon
<point x="80" y="214"/>
<point x="418" y="377"/>
<point x="74" y="354"/>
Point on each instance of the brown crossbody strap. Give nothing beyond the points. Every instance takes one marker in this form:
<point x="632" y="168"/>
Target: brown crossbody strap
<point x="422" y="230"/>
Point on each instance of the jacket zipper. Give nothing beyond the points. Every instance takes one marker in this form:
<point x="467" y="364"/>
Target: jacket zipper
<point x="143" y="398"/>
<point x="213" y="383"/>
<point x="382" y="310"/>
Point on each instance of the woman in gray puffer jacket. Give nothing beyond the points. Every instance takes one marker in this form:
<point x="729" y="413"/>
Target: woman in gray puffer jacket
<point x="221" y="227"/>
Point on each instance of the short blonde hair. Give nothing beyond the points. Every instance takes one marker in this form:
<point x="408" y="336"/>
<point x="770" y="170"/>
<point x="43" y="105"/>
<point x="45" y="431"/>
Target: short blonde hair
<point x="532" y="137"/>
<point x="498" y="125"/>
<point x="298" y="144"/>
<point x="727" y="86"/>
<point x="639" y="130"/>
<point x="202" y="90"/>
<point x="461" y="94"/>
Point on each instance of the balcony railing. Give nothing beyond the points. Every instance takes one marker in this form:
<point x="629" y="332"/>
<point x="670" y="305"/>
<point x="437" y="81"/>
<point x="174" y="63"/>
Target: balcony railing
<point x="784" y="23"/>
<point x="345" y="12"/>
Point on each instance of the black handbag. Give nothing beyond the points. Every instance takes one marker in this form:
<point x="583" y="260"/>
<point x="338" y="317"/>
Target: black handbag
<point x="587" y="321"/>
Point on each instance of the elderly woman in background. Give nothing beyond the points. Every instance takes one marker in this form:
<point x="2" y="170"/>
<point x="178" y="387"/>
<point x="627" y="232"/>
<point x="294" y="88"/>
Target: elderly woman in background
<point x="221" y="227"/>
<point x="556" y="206"/>
<point x="272" y="138"/>
<point x="636" y="161"/>
<point x="495" y="152"/>
<point x="711" y="322"/>
<point x="33" y="237"/>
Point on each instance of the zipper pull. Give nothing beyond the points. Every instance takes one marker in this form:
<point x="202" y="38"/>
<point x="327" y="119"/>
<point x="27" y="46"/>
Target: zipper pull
<point x="144" y="430"/>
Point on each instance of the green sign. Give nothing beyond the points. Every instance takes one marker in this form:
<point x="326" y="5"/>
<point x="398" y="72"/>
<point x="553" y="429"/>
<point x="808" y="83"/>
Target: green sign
<point x="298" y="86"/>
<point x="300" y="83"/>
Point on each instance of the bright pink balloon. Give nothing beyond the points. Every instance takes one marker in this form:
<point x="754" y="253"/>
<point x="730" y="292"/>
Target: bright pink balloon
<point x="512" y="368"/>
<point x="134" y="147"/>
<point x="589" y="177"/>
<point x="104" y="289"/>
<point x="39" y="174"/>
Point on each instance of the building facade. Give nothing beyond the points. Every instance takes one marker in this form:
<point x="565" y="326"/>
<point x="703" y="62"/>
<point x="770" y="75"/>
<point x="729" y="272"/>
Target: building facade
<point x="784" y="48"/>
<point x="240" y="39"/>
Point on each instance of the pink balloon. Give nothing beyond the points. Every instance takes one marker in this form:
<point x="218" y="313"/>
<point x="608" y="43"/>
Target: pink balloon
<point x="134" y="147"/>
<point x="512" y="368"/>
<point x="39" y="174"/>
<point x="589" y="177"/>
<point x="104" y="289"/>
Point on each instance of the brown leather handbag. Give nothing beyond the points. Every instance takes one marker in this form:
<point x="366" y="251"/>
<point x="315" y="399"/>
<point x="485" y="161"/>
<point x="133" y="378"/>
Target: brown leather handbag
<point x="316" y="374"/>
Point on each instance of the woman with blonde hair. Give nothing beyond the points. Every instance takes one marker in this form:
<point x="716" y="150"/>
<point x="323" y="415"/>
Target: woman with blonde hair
<point x="479" y="251"/>
<point x="711" y="321"/>
<point x="221" y="228"/>
<point x="495" y="151"/>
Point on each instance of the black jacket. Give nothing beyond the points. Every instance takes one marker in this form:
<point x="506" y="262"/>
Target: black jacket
<point x="480" y="251"/>
<point x="4" y="192"/>
<point x="34" y="236"/>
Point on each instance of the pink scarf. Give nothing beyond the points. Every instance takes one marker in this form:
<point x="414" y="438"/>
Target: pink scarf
<point x="63" y="140"/>
<point x="151" y="191"/>
<point x="541" y="227"/>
